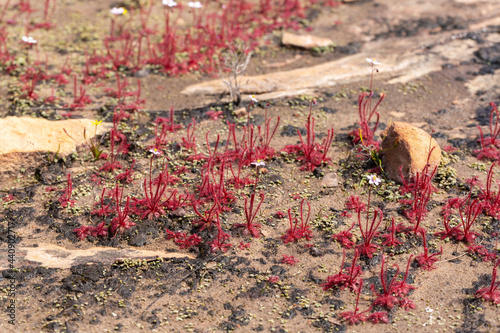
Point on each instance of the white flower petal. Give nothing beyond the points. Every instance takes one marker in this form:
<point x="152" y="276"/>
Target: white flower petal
<point x="117" y="11"/>
<point x="170" y="3"/>
<point x="258" y="163"/>
<point x="194" y="4"/>
<point x="29" y="40"/>
<point x="373" y="61"/>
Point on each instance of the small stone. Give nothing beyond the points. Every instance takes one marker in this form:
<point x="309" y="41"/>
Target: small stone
<point x="264" y="171"/>
<point x="330" y="180"/>
<point x="142" y="73"/>
<point x="315" y="252"/>
<point x="397" y="114"/>
<point x="305" y="41"/>
<point x="241" y="112"/>
<point x="179" y="212"/>
<point x="407" y="146"/>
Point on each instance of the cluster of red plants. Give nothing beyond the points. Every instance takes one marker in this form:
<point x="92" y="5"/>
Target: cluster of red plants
<point x="490" y="145"/>
<point x="210" y="197"/>
<point x="133" y="43"/>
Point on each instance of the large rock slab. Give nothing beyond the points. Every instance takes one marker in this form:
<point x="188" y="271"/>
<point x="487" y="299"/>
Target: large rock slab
<point x="53" y="256"/>
<point x="407" y="147"/>
<point x="401" y="62"/>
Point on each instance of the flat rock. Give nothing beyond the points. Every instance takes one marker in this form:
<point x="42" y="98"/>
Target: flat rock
<point x="53" y="256"/>
<point x="407" y="146"/>
<point x="28" y="135"/>
<point x="487" y="82"/>
<point x="21" y="135"/>
<point x="305" y="41"/>
<point x="402" y="61"/>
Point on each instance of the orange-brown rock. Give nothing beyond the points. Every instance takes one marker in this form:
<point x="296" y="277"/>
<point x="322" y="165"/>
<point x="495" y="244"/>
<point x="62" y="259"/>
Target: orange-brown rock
<point x="407" y="146"/>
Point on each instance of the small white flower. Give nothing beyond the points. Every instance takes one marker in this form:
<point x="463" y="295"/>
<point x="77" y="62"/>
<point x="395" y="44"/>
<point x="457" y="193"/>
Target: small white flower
<point x="155" y="151"/>
<point x="253" y="99"/>
<point x="118" y="11"/>
<point x="374" y="180"/>
<point x="170" y="3"/>
<point x="258" y="163"/>
<point x="194" y="4"/>
<point x="428" y="309"/>
<point x="29" y="40"/>
<point x="373" y="61"/>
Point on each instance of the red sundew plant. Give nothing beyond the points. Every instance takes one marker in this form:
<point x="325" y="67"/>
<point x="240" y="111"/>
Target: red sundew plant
<point x="421" y="190"/>
<point x="469" y="210"/>
<point x="393" y="293"/>
<point x="309" y="153"/>
<point x="122" y="221"/>
<point x="296" y="231"/>
<point x="355" y="317"/>
<point x="469" y="213"/>
<point x="208" y="218"/>
<point x="238" y="180"/>
<point x="490" y="199"/>
<point x="350" y="280"/>
<point x="426" y="260"/>
<point x="126" y="176"/>
<point x="189" y="141"/>
<point x="264" y="150"/>
<point x="111" y="164"/>
<point x="47" y="15"/>
<point x="491" y="294"/>
<point x="120" y="91"/>
<point x="289" y="260"/>
<point x="136" y="105"/>
<point x="167" y="125"/>
<point x="449" y="232"/>
<point x="346" y="238"/>
<point x="214" y="115"/>
<point x="79" y="100"/>
<point x="390" y="239"/>
<point x="104" y="210"/>
<point x="490" y="145"/>
<point x="251" y="228"/>
<point x="65" y="198"/>
<point x="355" y="204"/>
<point x="154" y="190"/>
<point x="369" y="229"/>
<point x="365" y="135"/>
<point x="481" y="251"/>
<point x="219" y="243"/>
<point x="184" y="241"/>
